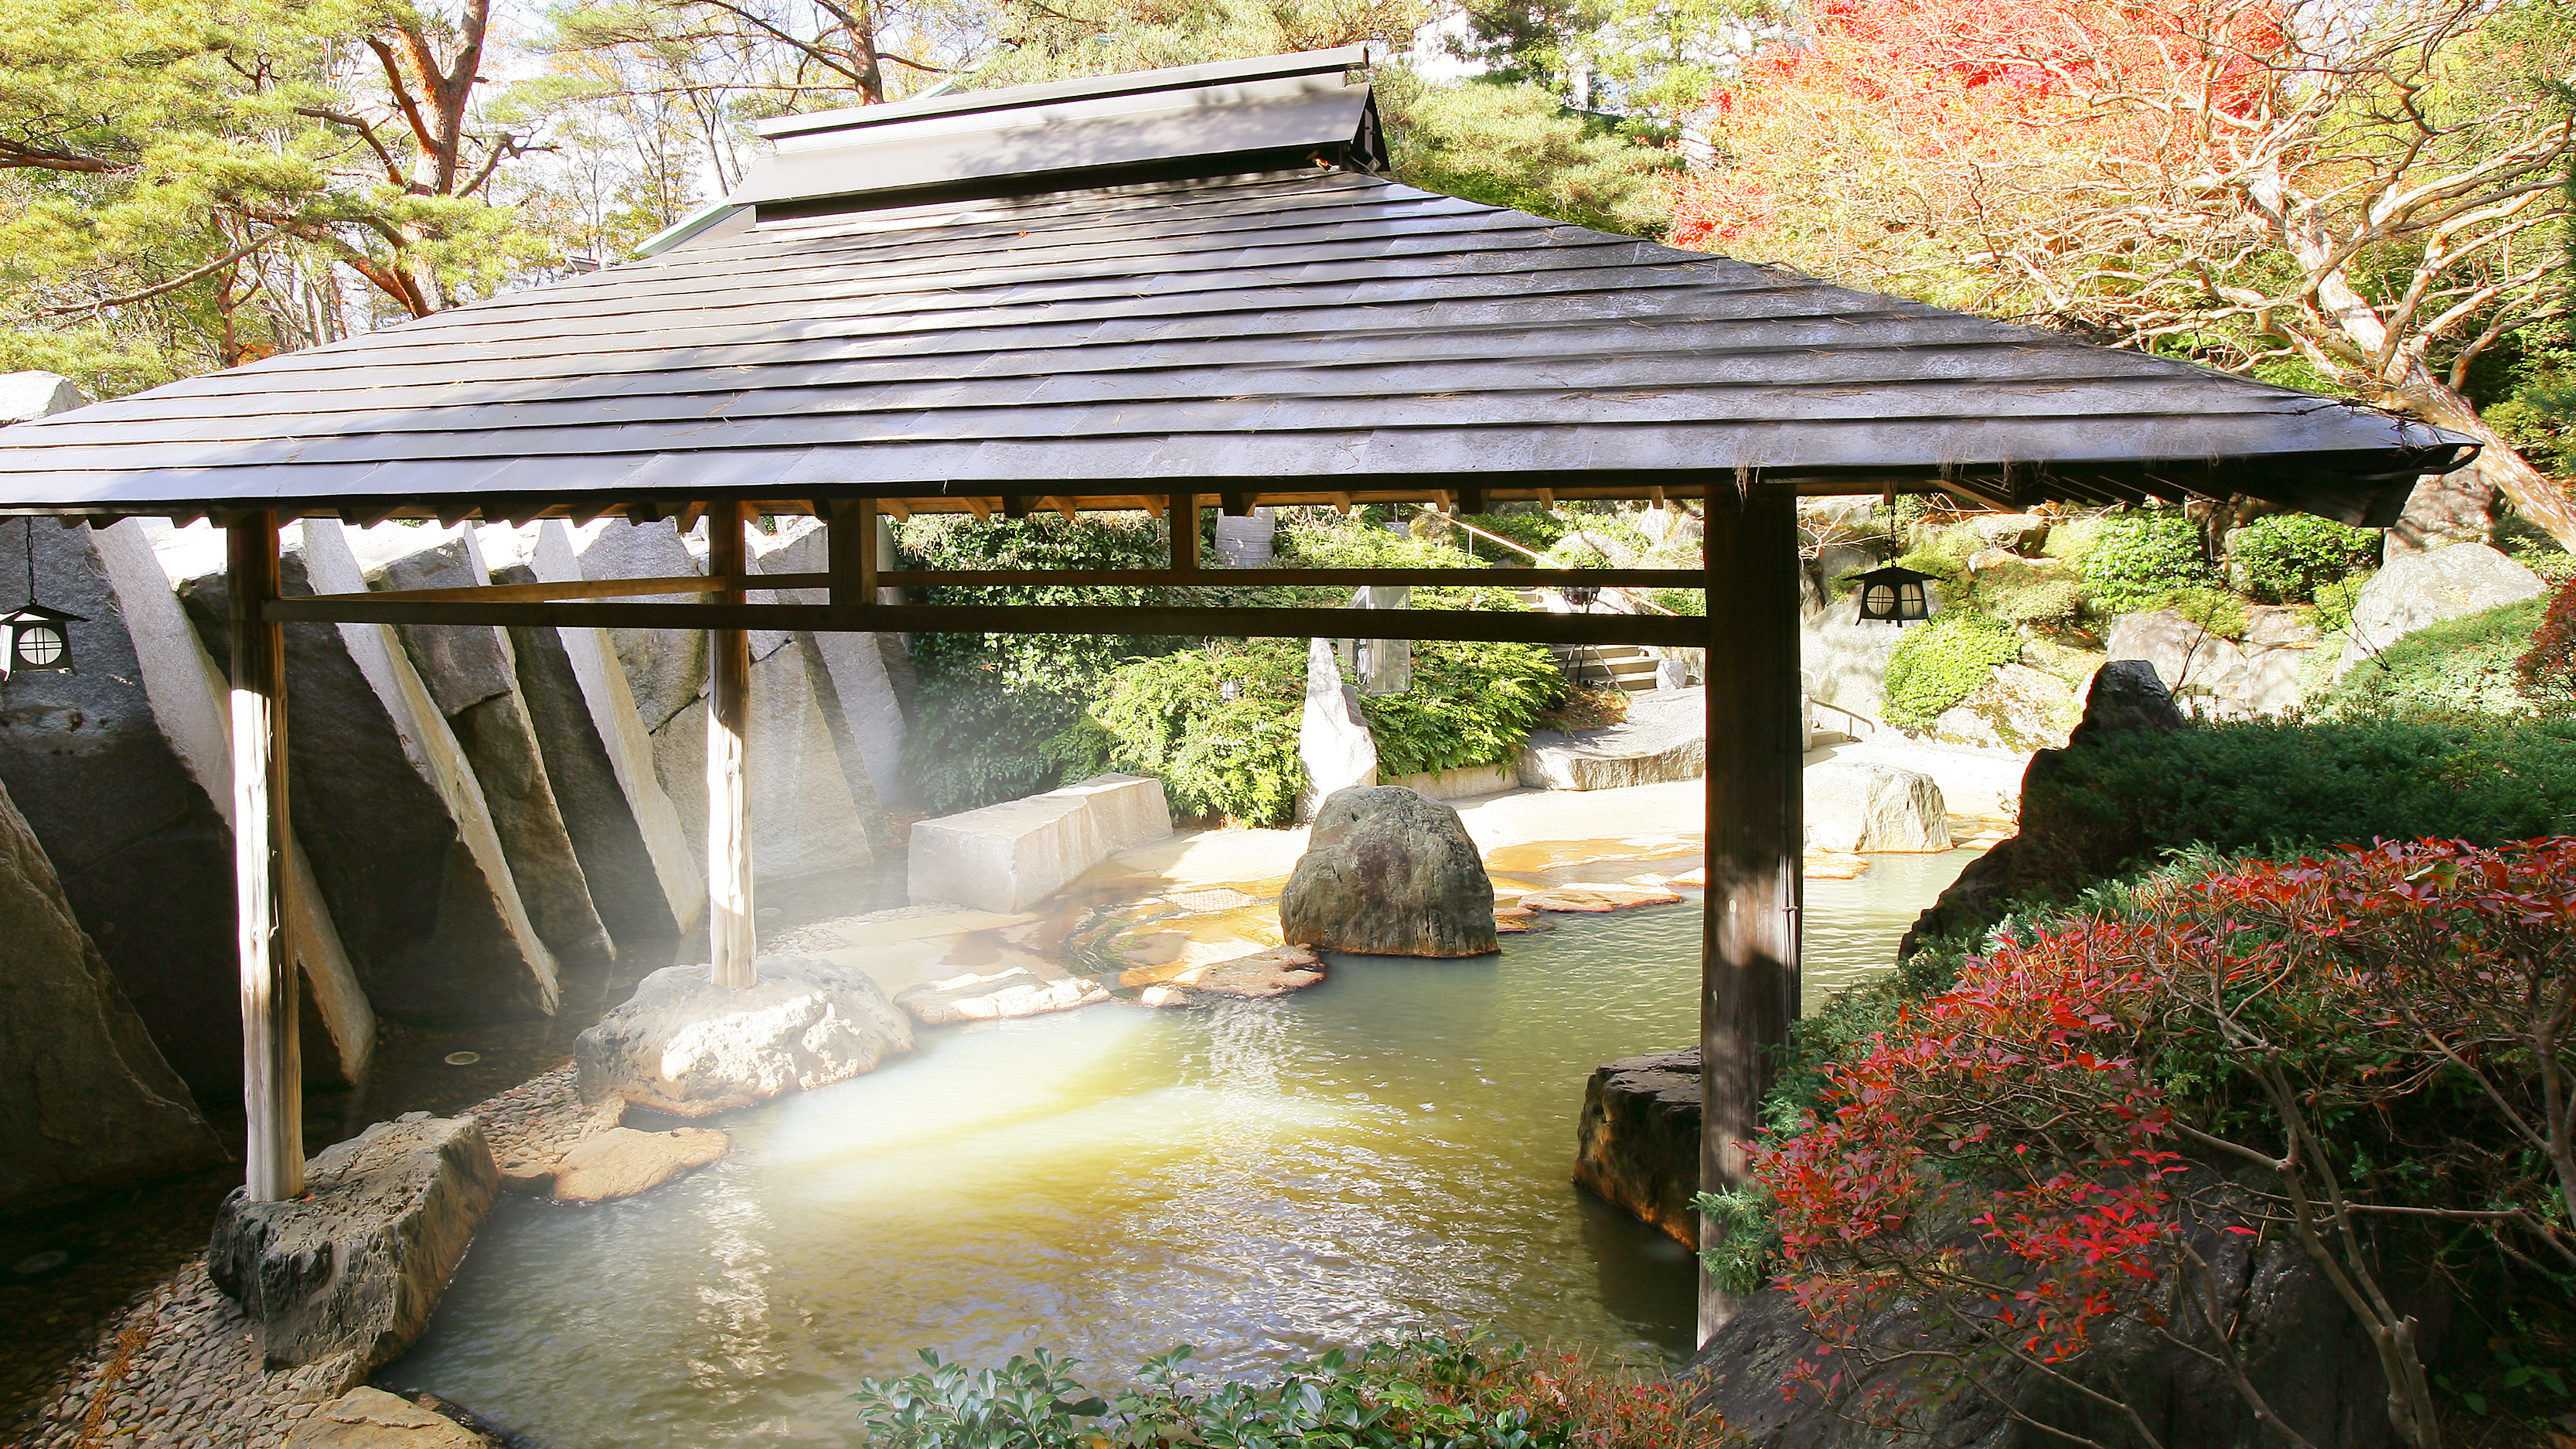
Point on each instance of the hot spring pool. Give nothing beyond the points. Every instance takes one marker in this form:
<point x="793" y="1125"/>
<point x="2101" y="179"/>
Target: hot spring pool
<point x="1384" y="1152"/>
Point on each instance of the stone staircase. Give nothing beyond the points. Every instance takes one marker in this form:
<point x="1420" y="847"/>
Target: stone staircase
<point x="1593" y="665"/>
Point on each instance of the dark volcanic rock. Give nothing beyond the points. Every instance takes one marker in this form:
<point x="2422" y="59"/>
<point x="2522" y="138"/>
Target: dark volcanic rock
<point x="85" y="1101"/>
<point x="2055" y="847"/>
<point x="354" y="1266"/>
<point x="1389" y="873"/>
<point x="1637" y="1143"/>
<point x="472" y="675"/>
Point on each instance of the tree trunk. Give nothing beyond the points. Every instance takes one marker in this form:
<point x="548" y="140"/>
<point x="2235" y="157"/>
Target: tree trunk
<point x="2539" y="497"/>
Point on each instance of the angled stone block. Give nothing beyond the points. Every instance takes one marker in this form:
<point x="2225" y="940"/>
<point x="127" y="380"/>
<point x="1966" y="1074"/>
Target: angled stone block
<point x="86" y="1102"/>
<point x="472" y="674"/>
<point x="190" y="702"/>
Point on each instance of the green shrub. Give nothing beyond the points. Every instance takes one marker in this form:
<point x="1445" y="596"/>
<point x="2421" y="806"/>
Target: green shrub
<point x="2216" y="610"/>
<point x="1471" y="704"/>
<point x="1327" y="541"/>
<point x="1941" y="663"/>
<point x="1170" y="717"/>
<point x="1693" y="602"/>
<point x="1424" y="1393"/>
<point x="974" y="740"/>
<point x="2282" y="558"/>
<point x="2137" y="556"/>
<point x="2022" y="593"/>
<point x="2335" y="601"/>
<point x="2459" y="667"/>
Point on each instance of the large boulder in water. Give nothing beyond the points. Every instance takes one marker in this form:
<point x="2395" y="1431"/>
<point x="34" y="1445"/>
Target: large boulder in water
<point x="1637" y="1142"/>
<point x="685" y="1045"/>
<point x="1389" y="873"/>
<point x="1866" y="806"/>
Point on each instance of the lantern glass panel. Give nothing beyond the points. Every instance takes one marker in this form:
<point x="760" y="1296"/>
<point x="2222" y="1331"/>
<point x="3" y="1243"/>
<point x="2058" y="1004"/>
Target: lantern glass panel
<point x="1879" y="602"/>
<point x="39" y="646"/>
<point x="1909" y="600"/>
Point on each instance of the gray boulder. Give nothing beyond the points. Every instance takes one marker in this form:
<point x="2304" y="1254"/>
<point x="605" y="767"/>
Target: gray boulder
<point x="472" y="673"/>
<point x="369" y="1418"/>
<point x="86" y="1102"/>
<point x="1637" y="1142"/>
<point x="2444" y="510"/>
<point x="1865" y="806"/>
<point x="666" y="669"/>
<point x="859" y="675"/>
<point x="685" y="1045"/>
<point x="1389" y="873"/>
<point x="2127" y="696"/>
<point x="1333" y="739"/>
<point x="2417" y="589"/>
<point x="2254" y="677"/>
<point x="25" y="396"/>
<point x="350" y="1270"/>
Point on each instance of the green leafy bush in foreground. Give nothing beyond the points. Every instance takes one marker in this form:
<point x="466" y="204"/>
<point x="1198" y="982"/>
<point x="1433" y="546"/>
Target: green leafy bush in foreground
<point x="1427" y="1393"/>
<point x="1941" y="663"/>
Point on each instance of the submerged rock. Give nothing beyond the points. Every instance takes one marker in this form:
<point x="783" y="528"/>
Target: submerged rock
<point x="1388" y="873"/>
<point x="1015" y="992"/>
<point x="1637" y="1142"/>
<point x="1594" y="899"/>
<point x="1263" y="974"/>
<point x="683" y="1044"/>
<point x="351" y="1269"/>
<point x="622" y="1161"/>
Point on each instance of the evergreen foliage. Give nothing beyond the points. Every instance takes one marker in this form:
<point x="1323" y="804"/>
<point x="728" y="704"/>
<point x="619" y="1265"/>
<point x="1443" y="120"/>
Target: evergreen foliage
<point x="2283" y="558"/>
<point x="1171" y="717"/>
<point x="2136" y="558"/>
<point x="2465" y="667"/>
<point x="1937" y="664"/>
<point x="1471" y="704"/>
<point x="1518" y="146"/>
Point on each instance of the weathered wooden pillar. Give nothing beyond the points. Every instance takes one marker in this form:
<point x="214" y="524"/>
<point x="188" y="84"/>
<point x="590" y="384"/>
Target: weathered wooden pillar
<point x="1756" y="831"/>
<point x="1184" y="527"/>
<point x="850" y="551"/>
<point x="272" y="1064"/>
<point x="731" y="940"/>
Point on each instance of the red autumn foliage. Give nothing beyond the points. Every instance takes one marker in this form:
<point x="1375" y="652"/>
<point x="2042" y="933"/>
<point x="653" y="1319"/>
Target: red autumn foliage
<point x="2548" y="667"/>
<point x="2390" y="1031"/>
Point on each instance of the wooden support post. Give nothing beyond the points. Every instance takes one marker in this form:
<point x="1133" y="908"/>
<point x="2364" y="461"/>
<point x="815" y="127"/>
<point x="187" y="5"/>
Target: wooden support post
<point x="729" y="929"/>
<point x="272" y="1065"/>
<point x="1756" y="832"/>
<point x="850" y="545"/>
<point x="1185" y="532"/>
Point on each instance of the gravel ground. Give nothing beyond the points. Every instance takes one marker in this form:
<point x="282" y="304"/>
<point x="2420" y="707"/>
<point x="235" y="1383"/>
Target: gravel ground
<point x="178" y="1366"/>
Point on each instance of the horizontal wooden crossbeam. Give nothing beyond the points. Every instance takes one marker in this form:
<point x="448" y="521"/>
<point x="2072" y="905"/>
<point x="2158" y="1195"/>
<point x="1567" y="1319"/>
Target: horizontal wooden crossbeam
<point x="1017" y="578"/>
<point x="1491" y="625"/>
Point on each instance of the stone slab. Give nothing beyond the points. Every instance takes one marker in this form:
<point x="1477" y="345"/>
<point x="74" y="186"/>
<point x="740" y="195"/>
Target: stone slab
<point x="1464" y="783"/>
<point x="1664" y="738"/>
<point x="370" y="1418"/>
<point x="622" y="1161"/>
<point x="1007" y="857"/>
<point x="994" y="996"/>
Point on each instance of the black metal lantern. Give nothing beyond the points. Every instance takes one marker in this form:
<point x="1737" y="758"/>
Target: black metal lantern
<point x="1895" y="596"/>
<point x="35" y="639"/>
<point x="32" y="637"/>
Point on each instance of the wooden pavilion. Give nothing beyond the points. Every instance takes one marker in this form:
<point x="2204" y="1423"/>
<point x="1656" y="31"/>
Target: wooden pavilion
<point x="1170" y="290"/>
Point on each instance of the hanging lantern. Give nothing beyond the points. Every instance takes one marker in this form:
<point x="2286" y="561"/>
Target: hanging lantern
<point x="1895" y="596"/>
<point x="32" y="637"/>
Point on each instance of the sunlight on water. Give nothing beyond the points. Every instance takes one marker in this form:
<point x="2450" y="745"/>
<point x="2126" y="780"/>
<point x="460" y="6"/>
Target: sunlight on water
<point x="1265" y="1180"/>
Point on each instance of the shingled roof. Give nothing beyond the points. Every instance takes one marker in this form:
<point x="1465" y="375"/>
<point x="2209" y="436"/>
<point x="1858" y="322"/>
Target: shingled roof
<point x="884" y="316"/>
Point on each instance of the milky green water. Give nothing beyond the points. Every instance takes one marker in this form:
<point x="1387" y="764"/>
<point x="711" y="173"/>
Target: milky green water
<point x="1386" y="1151"/>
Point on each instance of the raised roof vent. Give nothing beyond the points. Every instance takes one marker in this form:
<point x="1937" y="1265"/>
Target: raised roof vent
<point x="1232" y="118"/>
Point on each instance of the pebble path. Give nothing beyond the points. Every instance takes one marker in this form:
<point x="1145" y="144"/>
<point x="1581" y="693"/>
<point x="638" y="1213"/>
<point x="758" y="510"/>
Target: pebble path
<point x="180" y="1367"/>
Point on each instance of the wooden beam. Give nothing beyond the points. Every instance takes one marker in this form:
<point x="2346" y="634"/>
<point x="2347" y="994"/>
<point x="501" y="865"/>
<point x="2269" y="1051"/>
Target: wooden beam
<point x="1240" y="505"/>
<point x="272" y="1065"/>
<point x="1471" y="500"/>
<point x="1342" y="504"/>
<point x="1516" y="626"/>
<point x="896" y="506"/>
<point x="1755" y="833"/>
<point x="1064" y="509"/>
<point x="1146" y="578"/>
<point x="1184" y="532"/>
<point x="1015" y="505"/>
<point x="731" y="940"/>
<point x="983" y="511"/>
